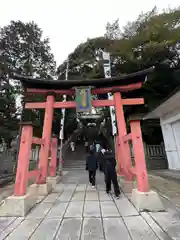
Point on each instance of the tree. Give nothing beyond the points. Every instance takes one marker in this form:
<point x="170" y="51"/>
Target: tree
<point x="113" y="31"/>
<point x="8" y="115"/>
<point x="85" y="61"/>
<point x="151" y="40"/>
<point x="22" y="51"/>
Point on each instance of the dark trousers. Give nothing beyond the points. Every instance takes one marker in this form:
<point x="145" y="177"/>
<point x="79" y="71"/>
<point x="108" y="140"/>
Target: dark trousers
<point x="92" y="177"/>
<point x="86" y="148"/>
<point x="111" y="176"/>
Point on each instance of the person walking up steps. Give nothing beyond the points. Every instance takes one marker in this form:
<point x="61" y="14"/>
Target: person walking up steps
<point x="72" y="144"/>
<point x="91" y="167"/>
<point x="110" y="172"/>
<point x="86" y="146"/>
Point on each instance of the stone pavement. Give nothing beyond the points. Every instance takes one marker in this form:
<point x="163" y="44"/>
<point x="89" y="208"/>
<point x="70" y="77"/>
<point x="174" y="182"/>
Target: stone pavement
<point x="169" y="189"/>
<point x="75" y="211"/>
<point x="6" y="191"/>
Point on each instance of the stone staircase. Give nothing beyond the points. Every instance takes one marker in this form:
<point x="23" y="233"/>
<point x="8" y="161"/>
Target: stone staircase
<point x="75" y="160"/>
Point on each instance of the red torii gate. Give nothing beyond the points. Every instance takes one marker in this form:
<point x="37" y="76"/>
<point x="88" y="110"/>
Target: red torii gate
<point x="50" y="89"/>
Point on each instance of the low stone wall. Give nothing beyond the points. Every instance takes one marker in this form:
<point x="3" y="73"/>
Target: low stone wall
<point x="7" y="161"/>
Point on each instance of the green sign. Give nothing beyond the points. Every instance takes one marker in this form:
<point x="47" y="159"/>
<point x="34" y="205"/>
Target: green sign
<point x="83" y="99"/>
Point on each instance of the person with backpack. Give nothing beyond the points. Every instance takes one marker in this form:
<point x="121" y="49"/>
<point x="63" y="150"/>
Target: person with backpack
<point x="91" y="166"/>
<point x="109" y="165"/>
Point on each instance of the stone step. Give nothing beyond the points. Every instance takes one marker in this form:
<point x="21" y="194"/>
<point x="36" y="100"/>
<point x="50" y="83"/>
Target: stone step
<point x="72" y="163"/>
<point x="78" y="166"/>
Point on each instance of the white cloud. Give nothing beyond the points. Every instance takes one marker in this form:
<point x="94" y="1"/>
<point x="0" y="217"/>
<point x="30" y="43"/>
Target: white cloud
<point x="69" y="22"/>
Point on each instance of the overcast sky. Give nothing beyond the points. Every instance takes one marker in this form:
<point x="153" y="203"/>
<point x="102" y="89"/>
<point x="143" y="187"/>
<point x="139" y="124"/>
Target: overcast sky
<point x="69" y="22"/>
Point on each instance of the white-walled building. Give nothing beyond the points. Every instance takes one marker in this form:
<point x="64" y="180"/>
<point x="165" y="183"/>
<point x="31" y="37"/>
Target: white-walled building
<point x="169" y="114"/>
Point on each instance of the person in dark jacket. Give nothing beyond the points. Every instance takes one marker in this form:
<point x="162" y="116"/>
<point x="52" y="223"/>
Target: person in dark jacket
<point x="101" y="161"/>
<point x="91" y="167"/>
<point x="110" y="172"/>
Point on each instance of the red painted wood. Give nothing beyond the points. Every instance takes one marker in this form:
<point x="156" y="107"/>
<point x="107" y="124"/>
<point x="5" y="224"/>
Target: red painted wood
<point x="38" y="141"/>
<point x="132" y="101"/>
<point x="126" y="88"/>
<point x="46" y="135"/>
<point x="53" y="162"/>
<point x="123" y="147"/>
<point x="139" y="156"/>
<point x="102" y="103"/>
<point x="118" y="157"/>
<point x="35" y="105"/>
<point x="128" y="137"/>
<point x="69" y="104"/>
<point x="95" y="103"/>
<point x="23" y="161"/>
<point x="71" y="92"/>
<point x="133" y="170"/>
<point x="33" y="173"/>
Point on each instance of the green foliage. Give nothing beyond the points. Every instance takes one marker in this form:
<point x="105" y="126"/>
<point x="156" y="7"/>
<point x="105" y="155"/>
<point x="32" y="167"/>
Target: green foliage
<point x="22" y="51"/>
<point x="85" y="61"/>
<point x="151" y="40"/>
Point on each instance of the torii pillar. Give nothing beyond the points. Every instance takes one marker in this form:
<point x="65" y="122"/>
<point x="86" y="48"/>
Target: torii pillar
<point x="143" y="197"/>
<point x="46" y="136"/>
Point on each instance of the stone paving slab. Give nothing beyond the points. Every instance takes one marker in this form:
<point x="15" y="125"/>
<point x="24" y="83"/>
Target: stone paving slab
<point x="24" y="230"/>
<point x="92" y="196"/>
<point x="92" y="229"/>
<point x="47" y="230"/>
<point x="92" y="209"/>
<point x="4" y="222"/>
<point x="104" y="197"/>
<point x="59" y="188"/>
<point x="40" y="210"/>
<point x="109" y="209"/>
<point x="10" y="228"/>
<point x="52" y="197"/>
<point x="75" y="211"/>
<point x="57" y="210"/>
<point x="155" y="227"/>
<point x="126" y="208"/>
<point x="66" y="196"/>
<point x="166" y="187"/>
<point x="69" y="229"/>
<point x="81" y="187"/>
<point x="139" y="229"/>
<point x="78" y="196"/>
<point x="114" y="228"/>
<point x="169" y="222"/>
<point x="70" y="187"/>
